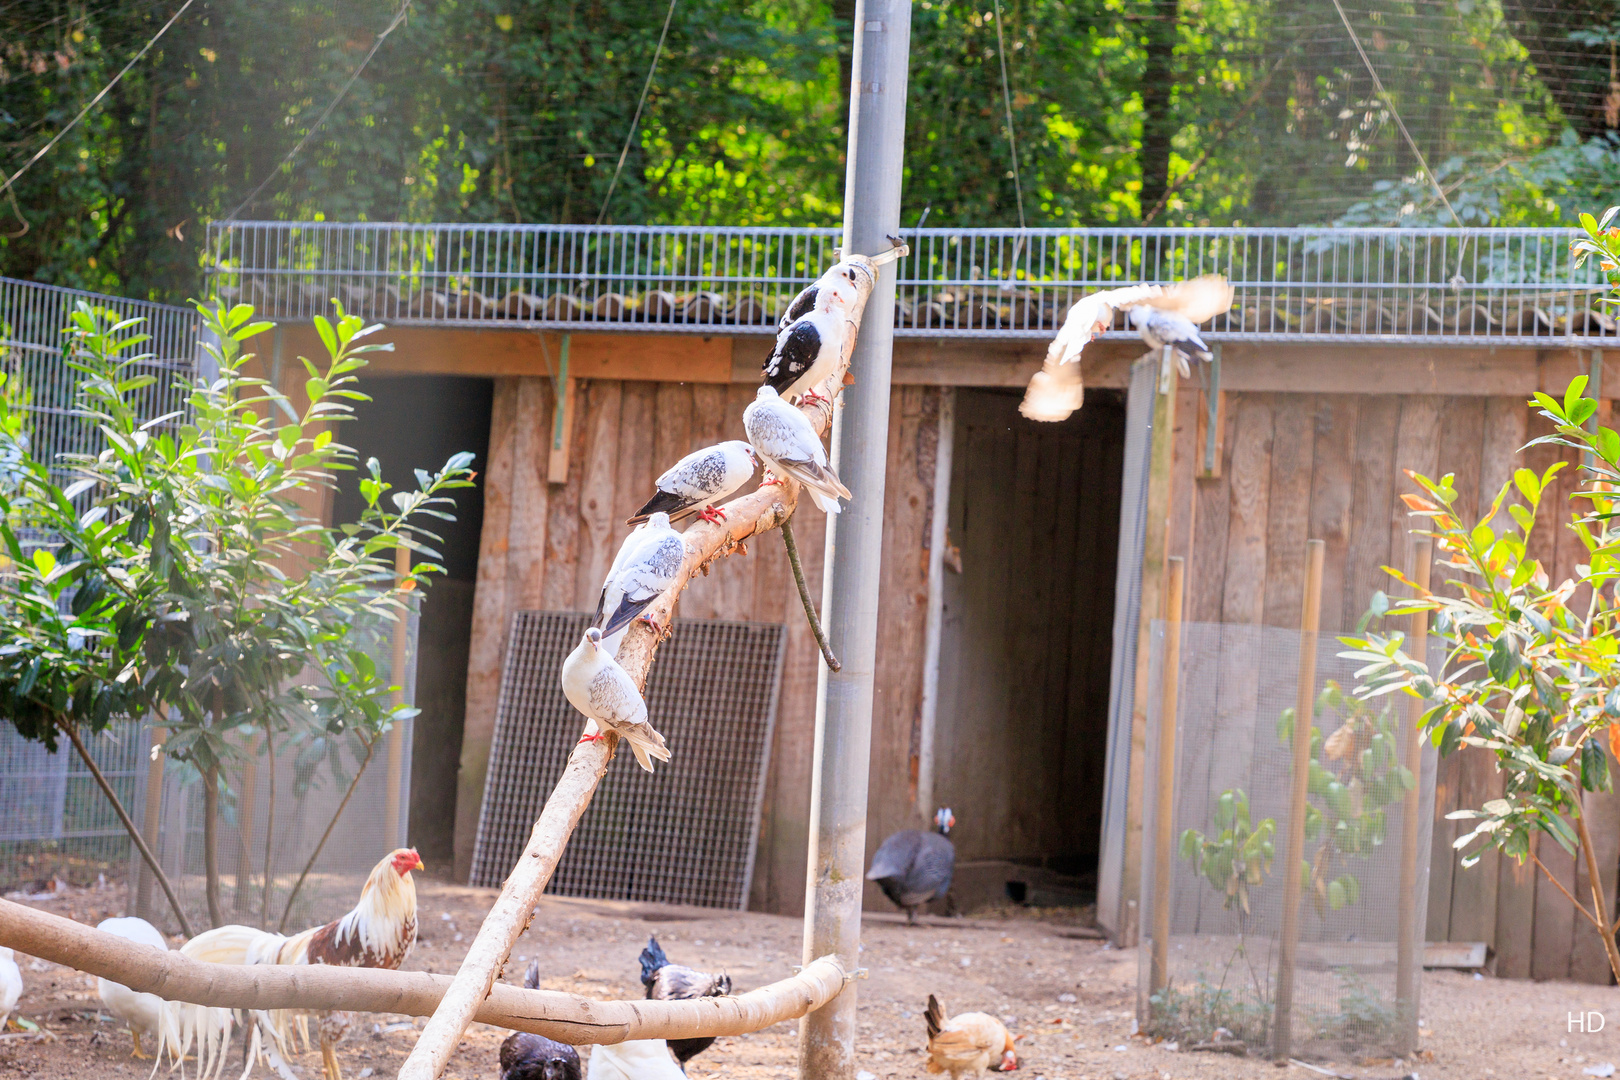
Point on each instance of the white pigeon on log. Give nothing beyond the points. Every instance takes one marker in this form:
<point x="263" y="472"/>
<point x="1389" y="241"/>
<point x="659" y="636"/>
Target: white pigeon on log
<point x="808" y="351"/>
<point x="595" y="684"/>
<point x="789" y="446"/>
<point x="1054" y="392"/>
<point x="647" y="563"/>
<point x="701" y="478"/>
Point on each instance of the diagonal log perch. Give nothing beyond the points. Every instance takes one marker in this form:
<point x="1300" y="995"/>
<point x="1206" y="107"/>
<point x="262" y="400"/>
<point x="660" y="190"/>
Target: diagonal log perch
<point x="567" y="1018"/>
<point x="747" y="516"/>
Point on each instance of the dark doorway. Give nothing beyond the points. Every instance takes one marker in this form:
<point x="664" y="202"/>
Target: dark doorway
<point x="416" y="422"/>
<point x="1022" y="731"/>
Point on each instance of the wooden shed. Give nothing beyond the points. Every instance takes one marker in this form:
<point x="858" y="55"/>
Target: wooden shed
<point x="1010" y="665"/>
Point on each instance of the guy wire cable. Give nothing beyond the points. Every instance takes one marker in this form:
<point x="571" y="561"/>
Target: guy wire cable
<point x="635" y="120"/>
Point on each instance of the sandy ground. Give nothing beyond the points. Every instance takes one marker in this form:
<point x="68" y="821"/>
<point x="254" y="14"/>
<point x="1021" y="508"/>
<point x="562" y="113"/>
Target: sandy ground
<point x="1020" y="967"/>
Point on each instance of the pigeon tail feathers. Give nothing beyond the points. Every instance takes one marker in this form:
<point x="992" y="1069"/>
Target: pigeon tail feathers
<point x="667" y="502"/>
<point x="624" y="614"/>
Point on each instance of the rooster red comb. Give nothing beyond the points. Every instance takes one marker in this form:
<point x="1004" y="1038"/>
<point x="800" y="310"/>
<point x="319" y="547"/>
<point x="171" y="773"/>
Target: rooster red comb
<point x="405" y="860"/>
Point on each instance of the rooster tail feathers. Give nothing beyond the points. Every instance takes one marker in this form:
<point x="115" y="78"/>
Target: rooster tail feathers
<point x="934" y="1016"/>
<point x="531" y="977"/>
<point x="652" y="959"/>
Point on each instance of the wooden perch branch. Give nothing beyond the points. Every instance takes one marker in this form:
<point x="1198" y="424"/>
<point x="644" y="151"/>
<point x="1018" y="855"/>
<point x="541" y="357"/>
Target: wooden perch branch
<point x="567" y="1018"/>
<point x="758" y="511"/>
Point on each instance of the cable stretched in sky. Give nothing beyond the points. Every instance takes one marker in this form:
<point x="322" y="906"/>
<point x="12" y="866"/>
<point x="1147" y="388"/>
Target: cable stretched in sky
<point x="630" y="135"/>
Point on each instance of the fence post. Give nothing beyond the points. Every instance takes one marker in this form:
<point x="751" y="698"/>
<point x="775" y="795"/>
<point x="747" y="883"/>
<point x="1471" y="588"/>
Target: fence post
<point x="1294" y="852"/>
<point x="1408" y="934"/>
<point x="150" y="822"/>
<point x="1163" y="831"/>
<point x="393" y="812"/>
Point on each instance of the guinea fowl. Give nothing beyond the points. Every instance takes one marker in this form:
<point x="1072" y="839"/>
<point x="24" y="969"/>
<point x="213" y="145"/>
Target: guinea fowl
<point x="913" y="867"/>
<point x="535" y="1057"/>
<point x="676" y="982"/>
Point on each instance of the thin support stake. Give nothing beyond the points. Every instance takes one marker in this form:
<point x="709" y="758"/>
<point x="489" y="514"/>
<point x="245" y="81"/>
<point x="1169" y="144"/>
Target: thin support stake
<point x="1408" y="935"/>
<point x="1294" y="852"/>
<point x="804" y="596"/>
<point x="1163" y="831"/>
<point x="393" y="823"/>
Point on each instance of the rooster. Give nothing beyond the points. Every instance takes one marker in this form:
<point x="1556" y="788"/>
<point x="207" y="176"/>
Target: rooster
<point x="676" y="982"/>
<point x="378" y="933"/>
<point x="966" y="1043"/>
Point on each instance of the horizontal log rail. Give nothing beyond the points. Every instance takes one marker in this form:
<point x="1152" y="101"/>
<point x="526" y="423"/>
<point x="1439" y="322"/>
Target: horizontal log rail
<point x="567" y="1018"/>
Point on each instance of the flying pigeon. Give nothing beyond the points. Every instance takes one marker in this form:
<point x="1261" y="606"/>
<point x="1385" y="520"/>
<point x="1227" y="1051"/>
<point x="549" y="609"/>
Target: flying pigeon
<point x="1054" y="393"/>
<point x="701" y="478"/>
<point x="1160" y="328"/>
<point x="647" y="564"/>
<point x="788" y="445"/>
<point x="597" y="686"/>
<point x="837" y="286"/>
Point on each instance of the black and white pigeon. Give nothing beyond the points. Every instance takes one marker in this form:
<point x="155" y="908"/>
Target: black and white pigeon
<point x="1056" y="390"/>
<point x="525" y="1056"/>
<point x="677" y="982"/>
<point x="701" y="478"/>
<point x="595" y="684"/>
<point x="836" y="286"/>
<point x="647" y="564"/>
<point x="808" y="351"/>
<point x="913" y="867"/>
<point x="789" y="446"/>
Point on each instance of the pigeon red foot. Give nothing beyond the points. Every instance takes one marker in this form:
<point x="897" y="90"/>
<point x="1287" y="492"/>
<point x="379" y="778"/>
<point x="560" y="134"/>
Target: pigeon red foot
<point x="715" y="515"/>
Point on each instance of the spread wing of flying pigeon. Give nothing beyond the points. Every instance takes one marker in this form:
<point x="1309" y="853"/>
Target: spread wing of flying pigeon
<point x="646" y="565"/>
<point x="1054" y="393"/>
<point x="595" y="684"/>
<point x="789" y="446"/>
<point x="701" y="479"/>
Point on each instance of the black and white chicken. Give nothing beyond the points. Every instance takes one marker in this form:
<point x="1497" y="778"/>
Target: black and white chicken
<point x="913" y="867"/>
<point x="676" y="982"/>
<point x="535" y="1057"/>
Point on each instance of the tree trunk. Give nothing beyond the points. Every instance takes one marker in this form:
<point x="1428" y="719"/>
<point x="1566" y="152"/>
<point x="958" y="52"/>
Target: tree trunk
<point x="1158" y="84"/>
<point x="211" y="842"/>
<point x="129" y="825"/>
<point x="269" y="821"/>
<point x="1600" y="904"/>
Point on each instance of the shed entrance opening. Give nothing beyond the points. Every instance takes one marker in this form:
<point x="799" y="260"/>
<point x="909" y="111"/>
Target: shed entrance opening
<point x="1022" y="728"/>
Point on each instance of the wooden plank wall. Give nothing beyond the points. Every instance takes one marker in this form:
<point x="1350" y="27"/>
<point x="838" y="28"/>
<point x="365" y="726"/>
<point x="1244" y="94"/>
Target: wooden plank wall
<point x="548" y="546"/>
<point x="1331" y="466"/>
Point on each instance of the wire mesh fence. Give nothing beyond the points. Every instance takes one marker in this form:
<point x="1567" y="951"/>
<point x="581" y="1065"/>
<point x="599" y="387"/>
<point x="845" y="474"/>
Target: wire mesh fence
<point x="1231" y="806"/>
<point x="684" y="834"/>
<point x="1437" y="286"/>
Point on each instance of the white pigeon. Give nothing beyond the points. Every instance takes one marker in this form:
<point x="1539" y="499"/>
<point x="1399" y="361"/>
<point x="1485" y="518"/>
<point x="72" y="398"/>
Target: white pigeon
<point x="648" y="562"/>
<point x="11" y="986"/>
<point x="637" y="1059"/>
<point x="789" y="446"/>
<point x="1054" y="393"/>
<point x="701" y="478"/>
<point x="597" y="686"/>
<point x="144" y="1014"/>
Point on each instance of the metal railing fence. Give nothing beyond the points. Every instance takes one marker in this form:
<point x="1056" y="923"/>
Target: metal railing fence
<point x="1428" y="286"/>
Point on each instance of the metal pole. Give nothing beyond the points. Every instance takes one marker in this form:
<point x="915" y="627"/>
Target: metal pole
<point x="832" y="909"/>
<point x="1282" y="1029"/>
<point x="1164" y="808"/>
<point x="393" y="814"/>
<point x="1408" y="934"/>
<point x="933" y="625"/>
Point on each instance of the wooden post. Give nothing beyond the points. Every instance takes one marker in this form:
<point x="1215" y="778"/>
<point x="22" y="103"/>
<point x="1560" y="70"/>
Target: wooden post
<point x="1164" y="810"/>
<point x="392" y="822"/>
<point x="245" y="799"/>
<point x="562" y="420"/>
<point x="150" y="821"/>
<point x="934" y="620"/>
<point x="1408" y="935"/>
<point x="1294" y="852"/>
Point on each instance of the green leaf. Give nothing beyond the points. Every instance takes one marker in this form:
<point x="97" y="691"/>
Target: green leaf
<point x="1594" y="767"/>
<point x="44" y="561"/>
<point x="1528" y="485"/>
<point x="328" y="336"/>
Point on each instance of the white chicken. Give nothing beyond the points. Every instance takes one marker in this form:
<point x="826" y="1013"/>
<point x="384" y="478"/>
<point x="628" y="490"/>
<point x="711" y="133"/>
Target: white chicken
<point x="11" y="986"/>
<point x="144" y="1014"/>
<point x="637" y="1059"/>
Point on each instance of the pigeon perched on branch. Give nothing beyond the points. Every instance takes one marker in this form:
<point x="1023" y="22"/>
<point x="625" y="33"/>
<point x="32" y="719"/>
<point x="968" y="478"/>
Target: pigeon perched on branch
<point x="789" y="446"/>
<point x="839" y="286"/>
<point x="809" y="350"/>
<point x="647" y="564"/>
<point x="701" y="478"/>
<point x="595" y="684"/>
<point x="1162" y="314"/>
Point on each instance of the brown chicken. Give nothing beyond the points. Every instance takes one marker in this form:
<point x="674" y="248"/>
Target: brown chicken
<point x="378" y="932"/>
<point x="965" y="1045"/>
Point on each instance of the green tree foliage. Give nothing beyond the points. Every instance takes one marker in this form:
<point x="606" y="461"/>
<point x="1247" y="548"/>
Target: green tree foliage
<point x="1170" y="111"/>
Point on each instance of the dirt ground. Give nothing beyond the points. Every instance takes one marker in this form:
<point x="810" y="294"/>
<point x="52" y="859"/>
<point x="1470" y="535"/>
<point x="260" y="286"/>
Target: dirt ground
<point x="1070" y="1000"/>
